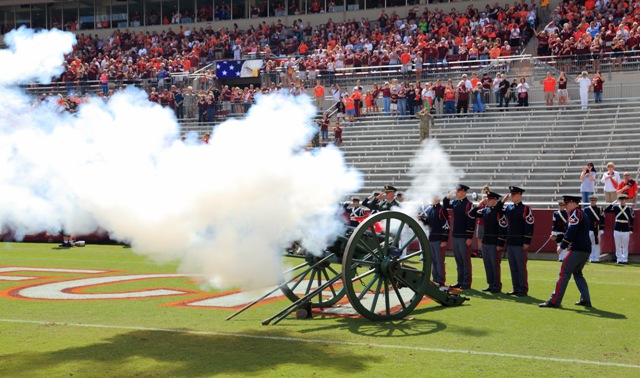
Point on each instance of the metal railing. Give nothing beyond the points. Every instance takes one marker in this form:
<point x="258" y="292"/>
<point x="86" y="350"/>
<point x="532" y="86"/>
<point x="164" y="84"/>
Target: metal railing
<point x="604" y="62"/>
<point x="370" y="74"/>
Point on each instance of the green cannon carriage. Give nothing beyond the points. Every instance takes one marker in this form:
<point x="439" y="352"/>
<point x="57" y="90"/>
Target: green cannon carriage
<point x="382" y="266"/>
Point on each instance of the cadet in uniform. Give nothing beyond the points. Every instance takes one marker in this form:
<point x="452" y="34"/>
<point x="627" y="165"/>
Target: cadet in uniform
<point x="355" y="211"/>
<point x="491" y="213"/>
<point x="559" y="226"/>
<point x="577" y="240"/>
<point x="623" y="227"/>
<point x="518" y="224"/>
<point x="367" y="201"/>
<point x="385" y="201"/>
<point x="463" y="226"/>
<point x="437" y="219"/>
<point x="596" y="217"/>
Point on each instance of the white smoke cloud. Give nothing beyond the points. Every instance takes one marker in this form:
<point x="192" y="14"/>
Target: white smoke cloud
<point x="432" y="175"/>
<point x="224" y="210"/>
<point x="33" y="56"/>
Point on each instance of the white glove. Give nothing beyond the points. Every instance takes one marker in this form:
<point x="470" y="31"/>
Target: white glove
<point x="631" y="233"/>
<point x="601" y="232"/>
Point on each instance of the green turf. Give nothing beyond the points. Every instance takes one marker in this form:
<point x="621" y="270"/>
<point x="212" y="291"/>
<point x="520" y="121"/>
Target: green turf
<point x="489" y="336"/>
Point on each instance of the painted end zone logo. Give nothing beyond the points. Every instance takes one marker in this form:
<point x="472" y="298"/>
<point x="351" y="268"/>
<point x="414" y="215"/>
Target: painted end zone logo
<point x="57" y="288"/>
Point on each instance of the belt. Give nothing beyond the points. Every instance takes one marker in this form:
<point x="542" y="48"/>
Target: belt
<point x="622" y="221"/>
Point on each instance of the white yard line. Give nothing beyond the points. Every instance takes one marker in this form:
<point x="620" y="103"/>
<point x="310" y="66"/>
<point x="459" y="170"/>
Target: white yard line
<point x="331" y="342"/>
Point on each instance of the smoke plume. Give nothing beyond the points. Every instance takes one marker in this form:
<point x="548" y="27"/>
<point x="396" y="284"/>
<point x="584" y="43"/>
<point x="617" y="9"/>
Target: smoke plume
<point x="223" y="210"/>
<point x="431" y="175"/>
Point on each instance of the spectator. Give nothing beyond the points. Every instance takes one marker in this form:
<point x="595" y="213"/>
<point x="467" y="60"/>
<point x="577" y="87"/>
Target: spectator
<point x="368" y="102"/>
<point x="476" y="99"/>
<point x="337" y="134"/>
<point x="503" y="94"/>
<point x="394" y="101"/>
<point x="202" y="108"/>
<point x="386" y="98"/>
<point x="357" y="100"/>
<point x="585" y="84"/>
<point x="597" y="83"/>
<point x="349" y="104"/>
<point x="463" y="98"/>
<point x="375" y="95"/>
<point x="419" y="101"/>
<point x="628" y="187"/>
<point x="439" y="93"/>
<point x="587" y="182"/>
<point x="523" y="92"/>
<point x="563" y="94"/>
<point x="610" y="179"/>
<point x="104" y="83"/>
<point x="336" y="93"/>
<point x="324" y="127"/>
<point x="318" y="92"/>
<point x="179" y="103"/>
<point x="211" y="108"/>
<point x="549" y="88"/>
<point x="449" y="99"/>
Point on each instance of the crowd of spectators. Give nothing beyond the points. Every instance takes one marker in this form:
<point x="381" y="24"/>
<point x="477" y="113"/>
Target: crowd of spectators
<point x="587" y="29"/>
<point x="421" y="39"/>
<point x="417" y="43"/>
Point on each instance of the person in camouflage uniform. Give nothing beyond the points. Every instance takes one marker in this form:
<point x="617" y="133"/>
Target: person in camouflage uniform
<point x="426" y="122"/>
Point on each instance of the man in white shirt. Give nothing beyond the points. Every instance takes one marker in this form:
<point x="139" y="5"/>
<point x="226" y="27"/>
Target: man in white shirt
<point x="467" y="82"/>
<point x="496" y="87"/>
<point x="610" y="179"/>
<point x="585" y="84"/>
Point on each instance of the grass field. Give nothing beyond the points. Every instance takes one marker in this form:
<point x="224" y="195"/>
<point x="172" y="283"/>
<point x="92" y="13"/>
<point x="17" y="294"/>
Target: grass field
<point x="492" y="335"/>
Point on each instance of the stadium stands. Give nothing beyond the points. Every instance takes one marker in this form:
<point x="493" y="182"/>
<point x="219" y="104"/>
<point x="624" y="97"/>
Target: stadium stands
<point x="540" y="150"/>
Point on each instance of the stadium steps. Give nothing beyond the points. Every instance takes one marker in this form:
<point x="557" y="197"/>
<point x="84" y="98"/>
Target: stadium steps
<point x="543" y="150"/>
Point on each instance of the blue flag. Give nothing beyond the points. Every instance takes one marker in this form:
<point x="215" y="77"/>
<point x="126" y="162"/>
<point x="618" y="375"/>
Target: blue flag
<point x="228" y="69"/>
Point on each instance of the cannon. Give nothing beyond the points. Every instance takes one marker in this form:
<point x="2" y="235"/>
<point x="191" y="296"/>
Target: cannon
<point x="382" y="266"/>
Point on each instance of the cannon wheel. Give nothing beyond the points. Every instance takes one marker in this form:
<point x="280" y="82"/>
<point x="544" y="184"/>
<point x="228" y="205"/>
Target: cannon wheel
<point x="386" y="274"/>
<point x="312" y="277"/>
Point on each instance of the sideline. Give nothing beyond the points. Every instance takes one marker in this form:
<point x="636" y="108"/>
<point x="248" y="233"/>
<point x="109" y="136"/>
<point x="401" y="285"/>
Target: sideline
<point x="330" y="342"/>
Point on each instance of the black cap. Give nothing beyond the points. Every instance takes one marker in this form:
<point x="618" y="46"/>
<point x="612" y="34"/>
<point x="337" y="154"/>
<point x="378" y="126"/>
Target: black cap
<point x="622" y="196"/>
<point x="593" y="197"/>
<point x="515" y="189"/>
<point x="355" y="199"/>
<point x="493" y="195"/>
<point x="561" y="203"/>
<point x="575" y="199"/>
<point x="390" y="188"/>
<point x="462" y="187"/>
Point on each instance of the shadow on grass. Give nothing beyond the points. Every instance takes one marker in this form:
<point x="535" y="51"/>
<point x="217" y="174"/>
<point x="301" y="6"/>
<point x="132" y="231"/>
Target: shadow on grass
<point x="395" y="328"/>
<point x="500" y="296"/>
<point x="172" y="354"/>
<point x="597" y="313"/>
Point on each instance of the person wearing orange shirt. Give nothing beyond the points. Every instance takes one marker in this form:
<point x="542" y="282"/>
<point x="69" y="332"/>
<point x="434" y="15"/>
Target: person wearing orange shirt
<point x="549" y="88"/>
<point x="357" y="100"/>
<point x="368" y="102"/>
<point x="495" y="51"/>
<point x="303" y="49"/>
<point x="628" y="187"/>
<point x="474" y="80"/>
<point x="350" y="107"/>
<point x="318" y="91"/>
<point x="405" y="59"/>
